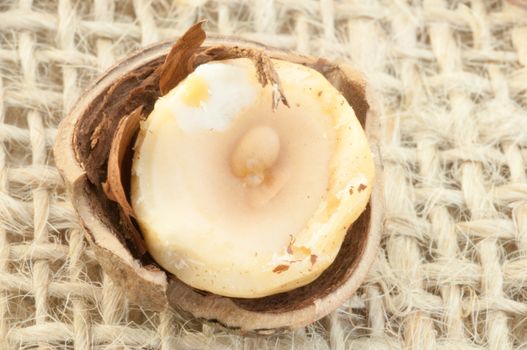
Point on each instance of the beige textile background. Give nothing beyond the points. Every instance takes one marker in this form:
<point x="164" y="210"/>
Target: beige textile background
<point x="452" y="76"/>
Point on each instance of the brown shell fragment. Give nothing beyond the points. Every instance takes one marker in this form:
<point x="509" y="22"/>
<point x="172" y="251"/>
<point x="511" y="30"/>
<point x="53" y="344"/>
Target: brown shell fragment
<point x="313" y="258"/>
<point x="121" y="144"/>
<point x="290" y="245"/>
<point x="281" y="268"/>
<point x="178" y="63"/>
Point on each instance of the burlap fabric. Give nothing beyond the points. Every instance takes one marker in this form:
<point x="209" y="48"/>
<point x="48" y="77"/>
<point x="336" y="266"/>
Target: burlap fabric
<point x="453" y="81"/>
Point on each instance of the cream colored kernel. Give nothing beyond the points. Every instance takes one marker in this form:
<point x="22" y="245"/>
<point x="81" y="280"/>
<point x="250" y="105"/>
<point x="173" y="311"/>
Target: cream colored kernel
<point x="206" y="224"/>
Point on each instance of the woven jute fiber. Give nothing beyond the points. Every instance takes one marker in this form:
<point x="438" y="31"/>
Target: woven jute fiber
<point x="452" y="83"/>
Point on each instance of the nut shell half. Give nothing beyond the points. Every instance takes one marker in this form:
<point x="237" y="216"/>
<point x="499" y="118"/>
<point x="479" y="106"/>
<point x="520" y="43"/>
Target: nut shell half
<point x="82" y="158"/>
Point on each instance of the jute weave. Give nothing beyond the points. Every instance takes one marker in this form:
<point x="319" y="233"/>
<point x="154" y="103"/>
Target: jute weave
<point x="452" y="272"/>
